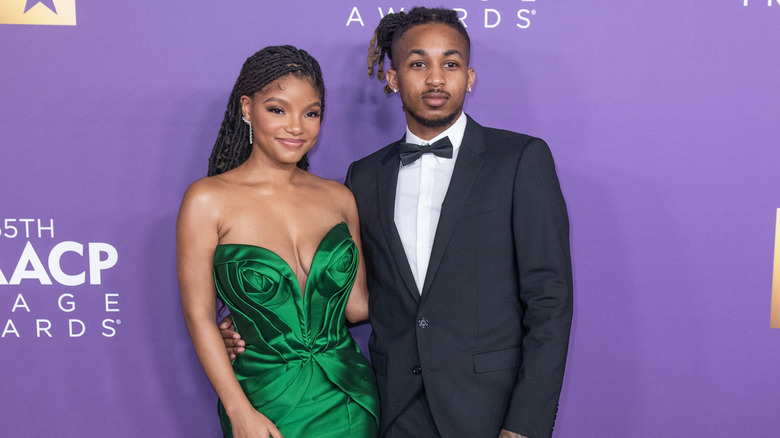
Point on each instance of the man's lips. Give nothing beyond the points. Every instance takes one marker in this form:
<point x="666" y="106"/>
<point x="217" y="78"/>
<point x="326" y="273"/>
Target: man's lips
<point x="435" y="98"/>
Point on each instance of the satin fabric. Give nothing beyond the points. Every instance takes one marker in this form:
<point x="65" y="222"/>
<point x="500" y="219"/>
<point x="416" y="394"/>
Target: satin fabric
<point x="301" y="367"/>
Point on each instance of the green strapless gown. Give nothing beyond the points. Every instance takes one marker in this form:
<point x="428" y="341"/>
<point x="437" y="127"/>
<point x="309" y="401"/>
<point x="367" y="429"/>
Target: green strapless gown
<point x="301" y="368"/>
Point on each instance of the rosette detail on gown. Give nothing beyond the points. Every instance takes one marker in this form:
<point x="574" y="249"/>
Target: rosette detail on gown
<point x="301" y="367"/>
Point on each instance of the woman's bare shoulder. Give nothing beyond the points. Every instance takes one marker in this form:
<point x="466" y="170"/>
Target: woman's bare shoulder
<point x="206" y="193"/>
<point x="336" y="191"/>
<point x="204" y="187"/>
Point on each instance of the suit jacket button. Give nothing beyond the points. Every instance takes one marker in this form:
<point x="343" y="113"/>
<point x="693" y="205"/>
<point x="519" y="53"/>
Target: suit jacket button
<point x="422" y="323"/>
<point x="416" y="370"/>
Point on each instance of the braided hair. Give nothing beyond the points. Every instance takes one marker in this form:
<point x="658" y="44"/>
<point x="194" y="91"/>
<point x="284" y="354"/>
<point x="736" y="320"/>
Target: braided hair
<point x="393" y="26"/>
<point x="232" y="147"/>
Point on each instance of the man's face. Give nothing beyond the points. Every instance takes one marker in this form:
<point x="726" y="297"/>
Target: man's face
<point x="430" y="71"/>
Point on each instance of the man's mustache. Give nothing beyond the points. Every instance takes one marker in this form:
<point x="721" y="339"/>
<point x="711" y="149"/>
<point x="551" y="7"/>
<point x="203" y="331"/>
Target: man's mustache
<point x="437" y="91"/>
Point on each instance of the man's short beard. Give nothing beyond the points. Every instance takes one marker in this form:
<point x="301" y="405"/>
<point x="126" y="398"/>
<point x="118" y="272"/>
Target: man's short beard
<point x="434" y="123"/>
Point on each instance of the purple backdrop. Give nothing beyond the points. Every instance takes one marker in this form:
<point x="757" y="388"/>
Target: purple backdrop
<point x="662" y="116"/>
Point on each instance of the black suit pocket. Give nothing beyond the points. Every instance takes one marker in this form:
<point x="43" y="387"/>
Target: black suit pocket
<point x="497" y="360"/>
<point x="479" y="207"/>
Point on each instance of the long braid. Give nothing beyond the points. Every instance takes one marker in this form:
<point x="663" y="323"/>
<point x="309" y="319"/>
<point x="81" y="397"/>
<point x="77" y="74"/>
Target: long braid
<point x="232" y="146"/>
<point x="393" y="26"/>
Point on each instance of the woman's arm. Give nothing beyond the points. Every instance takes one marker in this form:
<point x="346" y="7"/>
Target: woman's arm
<point x="197" y="235"/>
<point x="357" y="304"/>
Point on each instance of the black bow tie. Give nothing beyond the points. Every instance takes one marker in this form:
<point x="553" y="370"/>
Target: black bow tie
<point x="411" y="152"/>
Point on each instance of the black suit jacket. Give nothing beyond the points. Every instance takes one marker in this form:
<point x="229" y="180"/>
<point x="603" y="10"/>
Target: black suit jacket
<point x="489" y="334"/>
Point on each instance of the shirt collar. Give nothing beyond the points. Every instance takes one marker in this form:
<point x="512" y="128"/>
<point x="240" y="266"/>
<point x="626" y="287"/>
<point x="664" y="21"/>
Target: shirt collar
<point x="454" y="132"/>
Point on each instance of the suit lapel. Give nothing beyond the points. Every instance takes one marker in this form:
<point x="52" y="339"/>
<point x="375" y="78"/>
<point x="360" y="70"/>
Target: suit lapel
<point x="467" y="167"/>
<point x="387" y="182"/>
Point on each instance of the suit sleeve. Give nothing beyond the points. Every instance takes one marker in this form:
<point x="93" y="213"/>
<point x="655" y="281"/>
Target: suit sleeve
<point x="541" y="238"/>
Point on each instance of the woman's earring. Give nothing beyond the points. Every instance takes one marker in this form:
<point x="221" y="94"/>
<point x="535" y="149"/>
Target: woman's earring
<point x="395" y="90"/>
<point x="250" y="128"/>
<point x="469" y="90"/>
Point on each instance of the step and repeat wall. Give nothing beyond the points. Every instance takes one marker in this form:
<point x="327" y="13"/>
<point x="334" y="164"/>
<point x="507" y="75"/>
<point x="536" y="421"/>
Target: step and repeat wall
<point x="663" y="118"/>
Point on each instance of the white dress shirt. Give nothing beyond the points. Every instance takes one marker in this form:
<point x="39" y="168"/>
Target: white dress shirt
<point x="419" y="194"/>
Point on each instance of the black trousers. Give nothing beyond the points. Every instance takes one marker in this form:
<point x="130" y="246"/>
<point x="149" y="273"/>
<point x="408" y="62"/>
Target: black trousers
<point x="415" y="421"/>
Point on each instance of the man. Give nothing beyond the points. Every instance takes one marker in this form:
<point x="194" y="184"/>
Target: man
<point x="466" y="250"/>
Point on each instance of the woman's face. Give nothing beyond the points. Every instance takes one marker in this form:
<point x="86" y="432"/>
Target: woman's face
<point x="285" y="118"/>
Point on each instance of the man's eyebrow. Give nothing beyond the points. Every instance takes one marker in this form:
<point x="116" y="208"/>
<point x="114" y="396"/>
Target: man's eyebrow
<point x="422" y="52"/>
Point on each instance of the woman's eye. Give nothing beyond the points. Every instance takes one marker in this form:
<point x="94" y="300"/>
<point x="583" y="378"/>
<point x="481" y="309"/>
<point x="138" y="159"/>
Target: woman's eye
<point x="275" y="110"/>
<point x="314" y="114"/>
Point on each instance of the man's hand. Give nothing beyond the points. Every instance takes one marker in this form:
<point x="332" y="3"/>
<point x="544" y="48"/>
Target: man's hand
<point x="507" y="434"/>
<point x="233" y="343"/>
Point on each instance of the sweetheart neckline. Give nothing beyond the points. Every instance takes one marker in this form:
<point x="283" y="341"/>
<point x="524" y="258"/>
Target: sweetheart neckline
<point x="316" y="251"/>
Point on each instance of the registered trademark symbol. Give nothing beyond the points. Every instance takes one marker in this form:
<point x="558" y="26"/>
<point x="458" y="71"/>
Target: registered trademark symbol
<point x="533" y="11"/>
<point x="119" y="321"/>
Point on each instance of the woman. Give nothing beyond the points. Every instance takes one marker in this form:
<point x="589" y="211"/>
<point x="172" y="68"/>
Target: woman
<point x="274" y="243"/>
